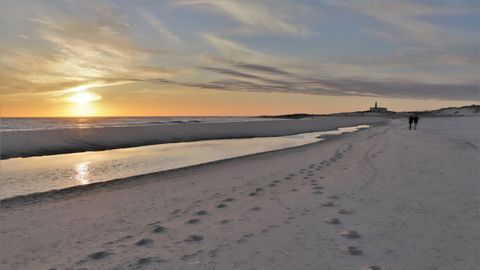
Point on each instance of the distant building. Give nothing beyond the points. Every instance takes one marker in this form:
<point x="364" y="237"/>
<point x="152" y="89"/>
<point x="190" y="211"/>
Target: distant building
<point x="378" y="109"/>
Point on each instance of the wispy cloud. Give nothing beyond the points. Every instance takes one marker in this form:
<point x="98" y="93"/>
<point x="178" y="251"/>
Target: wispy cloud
<point x="75" y="52"/>
<point x="407" y="21"/>
<point x="262" y="68"/>
<point x="261" y="78"/>
<point x="230" y="48"/>
<point x="159" y="27"/>
<point x="245" y="69"/>
<point x="266" y="17"/>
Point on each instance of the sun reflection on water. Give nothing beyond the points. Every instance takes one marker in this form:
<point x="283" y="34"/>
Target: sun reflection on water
<point x="82" y="172"/>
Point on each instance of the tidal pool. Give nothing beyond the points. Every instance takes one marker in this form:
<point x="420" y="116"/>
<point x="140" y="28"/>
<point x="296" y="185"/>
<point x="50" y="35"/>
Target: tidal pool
<point x="21" y="176"/>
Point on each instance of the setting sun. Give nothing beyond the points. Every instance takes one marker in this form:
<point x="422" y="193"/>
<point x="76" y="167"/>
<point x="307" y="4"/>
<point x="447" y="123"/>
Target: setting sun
<point x="82" y="104"/>
<point x="83" y="98"/>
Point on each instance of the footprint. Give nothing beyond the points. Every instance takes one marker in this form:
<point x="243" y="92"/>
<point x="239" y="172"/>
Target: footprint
<point x="194" y="238"/>
<point x="317" y="192"/>
<point x="229" y="200"/>
<point x="345" y="212"/>
<point x="222" y="205"/>
<point x="159" y="229"/>
<point x="99" y="255"/>
<point x="350" y="234"/>
<point x="276" y="181"/>
<point x="193" y="221"/>
<point x="259" y="189"/>
<point x="256" y="208"/>
<point x="224" y="221"/>
<point x="318" y="187"/>
<point x="201" y="213"/>
<point x="191" y="255"/>
<point x="244" y="238"/>
<point x="123" y="238"/>
<point x="253" y="194"/>
<point x="142" y="262"/>
<point x="329" y="203"/>
<point x="154" y="223"/>
<point x="333" y="197"/>
<point x="374" y="267"/>
<point x="294" y="189"/>
<point x="272" y="185"/>
<point x="353" y="250"/>
<point x="176" y="211"/>
<point x="144" y="241"/>
<point x="333" y="221"/>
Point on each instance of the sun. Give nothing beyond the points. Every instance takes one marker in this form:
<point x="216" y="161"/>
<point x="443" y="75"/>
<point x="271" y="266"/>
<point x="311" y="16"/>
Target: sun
<point x="83" y="103"/>
<point x="83" y="98"/>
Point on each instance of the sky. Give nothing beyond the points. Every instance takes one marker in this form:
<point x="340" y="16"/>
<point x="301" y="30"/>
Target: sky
<point x="208" y="57"/>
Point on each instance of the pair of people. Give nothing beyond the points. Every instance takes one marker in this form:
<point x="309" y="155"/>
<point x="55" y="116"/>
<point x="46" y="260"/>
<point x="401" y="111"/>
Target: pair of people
<point x="412" y="119"/>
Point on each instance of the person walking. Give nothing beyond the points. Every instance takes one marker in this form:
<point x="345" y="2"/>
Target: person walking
<point x="410" y="121"/>
<point x="415" y="121"/>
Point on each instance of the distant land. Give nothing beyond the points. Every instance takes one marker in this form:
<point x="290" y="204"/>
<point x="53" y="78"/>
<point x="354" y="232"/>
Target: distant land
<point x="469" y="110"/>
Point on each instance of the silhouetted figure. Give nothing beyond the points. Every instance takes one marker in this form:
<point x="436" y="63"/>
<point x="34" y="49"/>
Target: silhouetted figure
<point x="415" y="121"/>
<point x="410" y="121"/>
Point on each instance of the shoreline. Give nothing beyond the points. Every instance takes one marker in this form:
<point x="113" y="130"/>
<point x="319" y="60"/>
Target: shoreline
<point x="59" y="194"/>
<point x="50" y="142"/>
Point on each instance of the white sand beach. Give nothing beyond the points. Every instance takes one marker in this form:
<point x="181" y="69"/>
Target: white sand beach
<point x="386" y="196"/>
<point x="59" y="141"/>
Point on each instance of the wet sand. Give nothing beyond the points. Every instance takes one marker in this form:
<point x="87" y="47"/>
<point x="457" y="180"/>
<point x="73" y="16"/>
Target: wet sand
<point x="382" y="198"/>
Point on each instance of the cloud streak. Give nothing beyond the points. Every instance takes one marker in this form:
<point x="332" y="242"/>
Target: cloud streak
<point x="231" y="49"/>
<point x="289" y="82"/>
<point x="159" y="27"/>
<point x="266" y="17"/>
<point x="406" y="21"/>
<point x="75" y="52"/>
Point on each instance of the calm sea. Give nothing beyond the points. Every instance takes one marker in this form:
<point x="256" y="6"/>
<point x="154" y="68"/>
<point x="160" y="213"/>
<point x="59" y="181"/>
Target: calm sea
<point x="23" y="124"/>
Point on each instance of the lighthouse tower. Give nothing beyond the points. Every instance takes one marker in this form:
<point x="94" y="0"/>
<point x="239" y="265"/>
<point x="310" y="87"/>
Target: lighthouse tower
<point x="378" y="109"/>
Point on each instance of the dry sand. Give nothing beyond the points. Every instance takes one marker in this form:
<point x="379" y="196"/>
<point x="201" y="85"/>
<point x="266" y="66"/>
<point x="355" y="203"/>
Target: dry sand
<point x="385" y="197"/>
<point x="60" y="141"/>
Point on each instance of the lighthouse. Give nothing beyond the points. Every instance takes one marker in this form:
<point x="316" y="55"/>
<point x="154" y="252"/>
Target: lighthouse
<point x="378" y="109"/>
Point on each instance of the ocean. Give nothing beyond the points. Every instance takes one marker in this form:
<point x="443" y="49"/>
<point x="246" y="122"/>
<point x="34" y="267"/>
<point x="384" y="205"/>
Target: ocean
<point x="43" y="123"/>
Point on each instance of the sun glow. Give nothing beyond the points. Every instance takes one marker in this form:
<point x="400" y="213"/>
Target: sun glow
<point x="83" y="98"/>
<point x="83" y="103"/>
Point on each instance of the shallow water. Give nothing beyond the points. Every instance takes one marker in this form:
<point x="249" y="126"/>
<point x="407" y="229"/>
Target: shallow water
<point x="20" y="176"/>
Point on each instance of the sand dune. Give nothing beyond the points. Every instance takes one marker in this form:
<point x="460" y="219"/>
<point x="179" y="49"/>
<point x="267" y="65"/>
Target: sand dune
<point x="382" y="198"/>
<point x="60" y="141"/>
